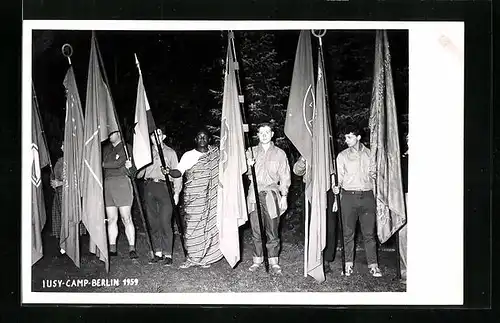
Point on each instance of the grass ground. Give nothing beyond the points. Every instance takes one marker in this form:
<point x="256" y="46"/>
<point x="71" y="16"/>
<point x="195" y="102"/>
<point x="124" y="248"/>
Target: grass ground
<point x="220" y="277"/>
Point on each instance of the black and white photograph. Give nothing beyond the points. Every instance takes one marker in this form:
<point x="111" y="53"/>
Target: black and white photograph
<point x="240" y="162"/>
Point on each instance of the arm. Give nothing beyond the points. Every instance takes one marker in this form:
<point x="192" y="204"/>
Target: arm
<point x="284" y="175"/>
<point x="340" y="169"/>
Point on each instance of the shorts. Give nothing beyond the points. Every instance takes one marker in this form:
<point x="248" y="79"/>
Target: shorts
<point x="118" y="191"/>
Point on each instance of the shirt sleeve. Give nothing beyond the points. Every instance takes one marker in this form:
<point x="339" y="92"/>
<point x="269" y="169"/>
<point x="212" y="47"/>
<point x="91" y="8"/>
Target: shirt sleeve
<point x="173" y="163"/>
<point x="340" y="169"/>
<point x="284" y="174"/>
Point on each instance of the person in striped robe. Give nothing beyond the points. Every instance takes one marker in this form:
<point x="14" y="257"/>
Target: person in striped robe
<point x="200" y="167"/>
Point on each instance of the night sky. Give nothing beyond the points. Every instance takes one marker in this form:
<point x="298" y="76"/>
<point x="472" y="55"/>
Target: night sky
<point x="181" y="69"/>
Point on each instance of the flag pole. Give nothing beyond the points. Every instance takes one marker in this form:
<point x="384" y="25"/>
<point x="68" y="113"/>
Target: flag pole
<point x="41" y="121"/>
<point x="177" y="216"/>
<point x="134" y="184"/>
<point x="332" y="145"/>
<point x="306" y="232"/>
<point x="247" y="141"/>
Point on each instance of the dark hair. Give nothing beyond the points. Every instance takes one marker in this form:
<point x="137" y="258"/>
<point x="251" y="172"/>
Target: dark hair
<point x="355" y="130"/>
<point x="265" y="124"/>
<point x="203" y="129"/>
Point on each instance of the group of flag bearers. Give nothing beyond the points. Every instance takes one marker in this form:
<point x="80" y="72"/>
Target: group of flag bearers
<point x="308" y="125"/>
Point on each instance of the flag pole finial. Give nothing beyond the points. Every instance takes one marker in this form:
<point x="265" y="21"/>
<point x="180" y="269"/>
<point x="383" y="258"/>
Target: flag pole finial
<point x="137" y="63"/>
<point x="67" y="51"/>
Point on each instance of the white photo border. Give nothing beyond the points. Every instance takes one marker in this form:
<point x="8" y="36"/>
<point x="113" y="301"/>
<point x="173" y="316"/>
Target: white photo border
<point x="436" y="123"/>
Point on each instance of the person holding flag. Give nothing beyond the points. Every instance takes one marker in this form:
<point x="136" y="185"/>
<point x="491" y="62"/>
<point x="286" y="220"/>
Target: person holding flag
<point x="273" y="180"/>
<point x="157" y="197"/>
<point x="356" y="176"/>
<point x="118" y="195"/>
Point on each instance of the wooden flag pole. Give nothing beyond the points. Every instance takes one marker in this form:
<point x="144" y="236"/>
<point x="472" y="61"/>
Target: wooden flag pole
<point x="134" y="184"/>
<point x="306" y="232"/>
<point x="247" y="141"/>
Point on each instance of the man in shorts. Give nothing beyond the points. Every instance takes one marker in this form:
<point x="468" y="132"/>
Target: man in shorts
<point x="118" y="195"/>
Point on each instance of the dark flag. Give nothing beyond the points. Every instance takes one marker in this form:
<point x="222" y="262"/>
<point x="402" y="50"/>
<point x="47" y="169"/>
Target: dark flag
<point x="231" y="205"/>
<point x="40" y="159"/>
<point x="384" y="145"/>
<point x="72" y="166"/>
<point x="299" y="114"/>
<point x="321" y="172"/>
<point x="99" y="123"/>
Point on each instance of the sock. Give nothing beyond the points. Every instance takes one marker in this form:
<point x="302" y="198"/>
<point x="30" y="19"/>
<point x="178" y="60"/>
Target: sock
<point x="112" y="248"/>
<point x="168" y="256"/>
<point x="158" y="253"/>
<point x="131" y="247"/>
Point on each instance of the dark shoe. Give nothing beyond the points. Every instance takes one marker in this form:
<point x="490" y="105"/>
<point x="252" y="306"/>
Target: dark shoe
<point x="154" y="260"/>
<point x="168" y="261"/>
<point x="113" y="254"/>
<point x="133" y="255"/>
<point x="326" y="267"/>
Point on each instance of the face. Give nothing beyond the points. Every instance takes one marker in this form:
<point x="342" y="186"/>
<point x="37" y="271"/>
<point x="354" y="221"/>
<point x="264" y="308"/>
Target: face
<point x="351" y="139"/>
<point x="265" y="134"/>
<point x="114" y="137"/>
<point x="201" y="139"/>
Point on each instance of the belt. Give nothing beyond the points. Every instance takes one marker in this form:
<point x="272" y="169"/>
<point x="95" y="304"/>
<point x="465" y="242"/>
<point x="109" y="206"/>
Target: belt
<point x="355" y="192"/>
<point x="156" y="180"/>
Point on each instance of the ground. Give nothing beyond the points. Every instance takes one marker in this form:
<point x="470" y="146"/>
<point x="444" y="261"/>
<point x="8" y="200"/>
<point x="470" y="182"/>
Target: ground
<point x="220" y="277"/>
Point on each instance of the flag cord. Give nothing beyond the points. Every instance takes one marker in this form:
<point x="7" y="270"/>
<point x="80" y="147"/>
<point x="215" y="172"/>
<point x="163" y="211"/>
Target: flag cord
<point x="134" y="184"/>
<point x="332" y="145"/>
<point x="247" y="141"/>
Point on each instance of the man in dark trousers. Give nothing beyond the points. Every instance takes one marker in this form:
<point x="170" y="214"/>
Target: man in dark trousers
<point x="299" y="169"/>
<point x="157" y="198"/>
<point x="356" y="177"/>
<point x="118" y="193"/>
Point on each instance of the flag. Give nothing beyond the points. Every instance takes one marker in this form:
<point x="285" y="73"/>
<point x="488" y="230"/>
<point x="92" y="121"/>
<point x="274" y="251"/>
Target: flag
<point x="321" y="171"/>
<point x="231" y="205"/>
<point x="72" y="166"/>
<point x="99" y="123"/>
<point x="40" y="159"/>
<point x="141" y="150"/>
<point x="298" y="122"/>
<point x="384" y="145"/>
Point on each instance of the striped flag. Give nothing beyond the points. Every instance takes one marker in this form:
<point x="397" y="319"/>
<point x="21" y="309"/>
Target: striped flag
<point x="231" y="205"/>
<point x="384" y="144"/>
<point x="141" y="150"/>
<point x="40" y="159"/>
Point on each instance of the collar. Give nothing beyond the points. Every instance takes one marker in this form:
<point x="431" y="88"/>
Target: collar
<point x="361" y="149"/>
<point x="271" y="146"/>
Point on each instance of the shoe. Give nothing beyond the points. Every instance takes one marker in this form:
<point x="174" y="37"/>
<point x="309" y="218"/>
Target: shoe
<point x="326" y="267"/>
<point x="348" y="270"/>
<point x="155" y="260"/>
<point x="375" y="271"/>
<point x="187" y="264"/>
<point x="113" y="253"/>
<point x="254" y="267"/>
<point x="205" y="266"/>
<point x="168" y="261"/>
<point x="276" y="269"/>
<point x="133" y="254"/>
